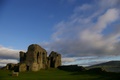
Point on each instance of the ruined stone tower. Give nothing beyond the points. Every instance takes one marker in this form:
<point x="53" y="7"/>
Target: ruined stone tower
<point x="36" y="58"/>
<point x="55" y="59"/>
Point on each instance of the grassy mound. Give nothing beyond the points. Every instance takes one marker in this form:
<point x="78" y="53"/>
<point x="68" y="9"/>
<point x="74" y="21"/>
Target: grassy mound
<point x="55" y="74"/>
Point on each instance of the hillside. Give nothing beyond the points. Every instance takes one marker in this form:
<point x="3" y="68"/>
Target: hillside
<point x="111" y="66"/>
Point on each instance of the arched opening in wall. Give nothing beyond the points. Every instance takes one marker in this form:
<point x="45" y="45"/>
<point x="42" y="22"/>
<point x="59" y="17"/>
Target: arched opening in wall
<point x="16" y="68"/>
<point x="24" y="57"/>
<point x="52" y="62"/>
<point x="38" y="57"/>
<point x="9" y="67"/>
<point x="27" y="68"/>
<point x="57" y="58"/>
<point x="43" y="58"/>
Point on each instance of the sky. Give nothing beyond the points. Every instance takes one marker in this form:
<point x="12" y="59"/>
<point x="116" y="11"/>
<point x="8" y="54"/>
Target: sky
<point x="85" y="32"/>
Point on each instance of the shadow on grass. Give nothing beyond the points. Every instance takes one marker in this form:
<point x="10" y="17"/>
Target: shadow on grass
<point x="9" y="74"/>
<point x="101" y="75"/>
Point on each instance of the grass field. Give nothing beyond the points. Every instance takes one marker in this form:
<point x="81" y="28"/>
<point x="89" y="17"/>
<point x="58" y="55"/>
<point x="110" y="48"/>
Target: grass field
<point x="55" y="74"/>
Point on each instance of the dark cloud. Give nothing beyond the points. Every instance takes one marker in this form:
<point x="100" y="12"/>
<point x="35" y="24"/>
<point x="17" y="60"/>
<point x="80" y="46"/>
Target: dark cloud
<point x="8" y="55"/>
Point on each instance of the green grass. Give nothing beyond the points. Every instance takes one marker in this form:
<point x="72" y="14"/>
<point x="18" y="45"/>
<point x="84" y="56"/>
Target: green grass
<point x="55" y="74"/>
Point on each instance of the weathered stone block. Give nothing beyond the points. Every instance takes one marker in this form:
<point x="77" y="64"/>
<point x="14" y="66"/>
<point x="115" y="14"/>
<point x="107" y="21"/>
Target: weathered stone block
<point x="34" y="67"/>
<point x="22" y="67"/>
<point x="15" y="73"/>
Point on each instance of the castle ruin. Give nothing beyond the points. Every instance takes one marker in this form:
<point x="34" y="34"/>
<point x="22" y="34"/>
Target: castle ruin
<point x="36" y="58"/>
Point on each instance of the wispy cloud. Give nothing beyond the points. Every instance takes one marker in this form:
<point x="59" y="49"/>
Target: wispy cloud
<point x="83" y="34"/>
<point x="87" y="61"/>
<point x="83" y="7"/>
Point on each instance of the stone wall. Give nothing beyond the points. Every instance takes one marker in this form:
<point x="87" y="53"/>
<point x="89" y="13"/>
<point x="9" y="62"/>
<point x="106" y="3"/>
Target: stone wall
<point x="11" y="66"/>
<point x="22" y="67"/>
<point x="22" y="56"/>
<point x="36" y="55"/>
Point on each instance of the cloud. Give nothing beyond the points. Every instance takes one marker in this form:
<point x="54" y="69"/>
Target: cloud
<point x="84" y="34"/>
<point x="3" y="62"/>
<point x="111" y="15"/>
<point x="94" y="38"/>
<point x="83" y="7"/>
<point x="112" y="3"/>
<point x="8" y="55"/>
<point x="67" y="60"/>
<point x="87" y="61"/>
